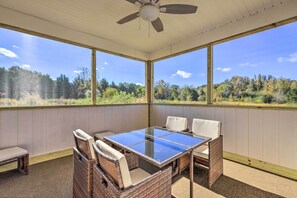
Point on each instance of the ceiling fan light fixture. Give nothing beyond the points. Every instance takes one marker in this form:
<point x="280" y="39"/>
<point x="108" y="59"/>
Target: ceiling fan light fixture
<point x="149" y="12"/>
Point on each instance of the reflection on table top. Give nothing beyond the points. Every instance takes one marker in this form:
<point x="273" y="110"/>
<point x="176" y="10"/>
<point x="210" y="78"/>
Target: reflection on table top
<point x="156" y="144"/>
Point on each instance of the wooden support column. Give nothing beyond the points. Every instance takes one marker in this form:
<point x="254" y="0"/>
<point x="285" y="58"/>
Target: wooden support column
<point x="93" y="77"/>
<point x="209" y="74"/>
<point x="149" y="85"/>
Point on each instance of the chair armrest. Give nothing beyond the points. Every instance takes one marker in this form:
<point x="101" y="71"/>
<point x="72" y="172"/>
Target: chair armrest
<point x="148" y="186"/>
<point x="215" y="149"/>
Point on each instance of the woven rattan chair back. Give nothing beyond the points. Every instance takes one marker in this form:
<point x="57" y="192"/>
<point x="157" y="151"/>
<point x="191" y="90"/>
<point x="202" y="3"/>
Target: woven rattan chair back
<point x="110" y="166"/>
<point x="82" y="144"/>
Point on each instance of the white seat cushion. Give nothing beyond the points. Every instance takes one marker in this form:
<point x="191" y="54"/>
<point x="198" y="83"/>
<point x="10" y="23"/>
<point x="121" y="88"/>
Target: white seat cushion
<point x="111" y="152"/>
<point x="10" y="153"/>
<point x="202" y="151"/>
<point x="138" y="174"/>
<point x="101" y="135"/>
<point x="207" y="128"/>
<point x="176" y="123"/>
<point x="89" y="138"/>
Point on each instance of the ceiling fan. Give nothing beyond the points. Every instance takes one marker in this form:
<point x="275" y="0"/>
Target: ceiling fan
<point x="150" y="11"/>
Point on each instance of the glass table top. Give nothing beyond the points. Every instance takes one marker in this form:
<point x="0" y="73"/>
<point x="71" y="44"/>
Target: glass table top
<point x="157" y="144"/>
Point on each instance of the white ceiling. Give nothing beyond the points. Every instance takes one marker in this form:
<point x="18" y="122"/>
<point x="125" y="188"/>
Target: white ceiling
<point x="99" y="17"/>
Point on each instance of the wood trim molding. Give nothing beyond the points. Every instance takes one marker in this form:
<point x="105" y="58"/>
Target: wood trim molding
<point x="230" y="106"/>
<point x="265" y="166"/>
<point x="209" y="74"/>
<point x="94" y="77"/>
<point x="149" y="84"/>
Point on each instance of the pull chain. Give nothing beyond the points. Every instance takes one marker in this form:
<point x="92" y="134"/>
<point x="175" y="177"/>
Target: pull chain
<point x="149" y="29"/>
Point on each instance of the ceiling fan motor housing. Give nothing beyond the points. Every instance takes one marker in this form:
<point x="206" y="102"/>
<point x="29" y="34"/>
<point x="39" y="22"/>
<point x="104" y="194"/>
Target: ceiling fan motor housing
<point x="149" y="12"/>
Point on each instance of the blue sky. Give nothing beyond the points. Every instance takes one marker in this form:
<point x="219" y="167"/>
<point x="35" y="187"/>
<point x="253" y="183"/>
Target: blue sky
<point x="272" y="52"/>
<point x="186" y="69"/>
<point x="120" y="69"/>
<point x="56" y="58"/>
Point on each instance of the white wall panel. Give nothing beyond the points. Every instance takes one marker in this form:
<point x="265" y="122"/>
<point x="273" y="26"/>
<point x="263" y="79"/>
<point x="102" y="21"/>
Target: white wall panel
<point x="9" y="128"/>
<point x="52" y="135"/>
<point x="94" y="119"/>
<point x="25" y="128"/>
<point x="266" y="135"/>
<point x="209" y="113"/>
<point x="64" y="129"/>
<point x="270" y="136"/>
<point x="219" y="115"/>
<point x="287" y="139"/>
<point x="47" y="130"/>
<point x="39" y="132"/>
<point x="255" y="134"/>
<point x="242" y="132"/>
<point x="201" y="112"/>
<point x="190" y="113"/>
<point x="229" y="130"/>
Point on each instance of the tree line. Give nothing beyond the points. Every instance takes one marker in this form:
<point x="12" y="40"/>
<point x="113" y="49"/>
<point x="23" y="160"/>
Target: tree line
<point x="15" y="82"/>
<point x="259" y="89"/>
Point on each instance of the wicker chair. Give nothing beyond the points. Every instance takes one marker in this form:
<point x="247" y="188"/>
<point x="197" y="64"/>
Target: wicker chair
<point x="211" y="153"/>
<point x="102" y="134"/>
<point x="177" y="123"/>
<point x="115" y="177"/>
<point x="83" y="160"/>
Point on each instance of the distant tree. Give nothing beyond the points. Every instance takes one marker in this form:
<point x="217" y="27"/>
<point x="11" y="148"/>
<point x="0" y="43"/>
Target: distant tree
<point x="103" y="84"/>
<point x="109" y="92"/>
<point x="63" y="87"/>
<point x="292" y="95"/>
<point x="46" y="87"/>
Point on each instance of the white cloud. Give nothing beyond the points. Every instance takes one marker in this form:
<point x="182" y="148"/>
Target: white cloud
<point x="223" y="69"/>
<point x="53" y="78"/>
<point x="182" y="74"/>
<point x="77" y="71"/>
<point x="140" y="84"/>
<point x="247" y="64"/>
<point x="99" y="68"/>
<point x="8" y="53"/>
<point x="105" y="63"/>
<point x="15" y="46"/>
<point x="25" y="66"/>
<point x="292" y="58"/>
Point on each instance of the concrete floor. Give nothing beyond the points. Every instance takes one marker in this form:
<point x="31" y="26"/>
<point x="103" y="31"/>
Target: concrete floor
<point x="54" y="179"/>
<point x="256" y="178"/>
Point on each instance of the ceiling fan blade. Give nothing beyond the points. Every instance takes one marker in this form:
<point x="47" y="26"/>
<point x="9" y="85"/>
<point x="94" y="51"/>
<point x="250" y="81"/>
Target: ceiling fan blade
<point x="178" y="9"/>
<point x="128" y="18"/>
<point x="158" y="25"/>
<point x="135" y="1"/>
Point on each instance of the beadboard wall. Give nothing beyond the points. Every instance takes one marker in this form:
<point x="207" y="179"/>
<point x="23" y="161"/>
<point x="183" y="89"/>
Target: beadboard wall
<point x="49" y="130"/>
<point x="265" y="135"/>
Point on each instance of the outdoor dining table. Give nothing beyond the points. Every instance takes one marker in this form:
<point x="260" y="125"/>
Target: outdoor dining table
<point x="159" y="146"/>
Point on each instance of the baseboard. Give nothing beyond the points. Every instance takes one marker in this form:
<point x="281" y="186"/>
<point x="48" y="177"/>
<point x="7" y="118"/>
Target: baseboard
<point x="265" y="166"/>
<point x="39" y="159"/>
